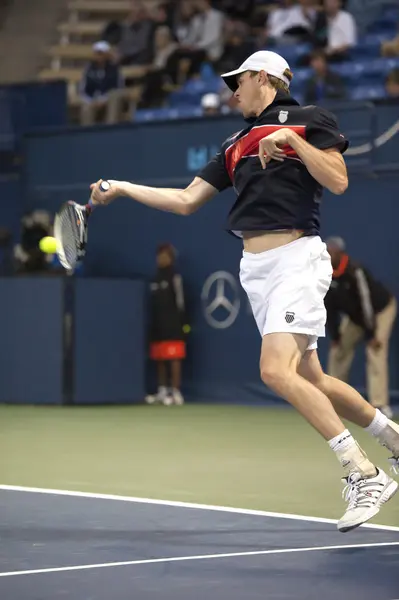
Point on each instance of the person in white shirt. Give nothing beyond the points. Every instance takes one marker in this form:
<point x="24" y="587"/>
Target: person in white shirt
<point x="341" y="31"/>
<point x="206" y="31"/>
<point x="291" y="22"/>
<point x="200" y="35"/>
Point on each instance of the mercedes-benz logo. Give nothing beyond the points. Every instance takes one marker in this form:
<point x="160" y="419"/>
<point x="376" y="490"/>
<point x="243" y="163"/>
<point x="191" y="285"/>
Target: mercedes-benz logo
<point x="220" y="299"/>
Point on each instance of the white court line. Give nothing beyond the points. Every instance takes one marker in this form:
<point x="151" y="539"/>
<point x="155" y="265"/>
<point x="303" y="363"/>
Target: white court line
<point x="177" y="504"/>
<point x="151" y="561"/>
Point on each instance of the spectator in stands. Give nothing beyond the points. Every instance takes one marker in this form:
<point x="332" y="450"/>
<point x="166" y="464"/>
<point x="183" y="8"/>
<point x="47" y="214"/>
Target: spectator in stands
<point x="236" y="10"/>
<point x="341" y="31"/>
<point x="199" y="30"/>
<point x="237" y="46"/>
<point x="205" y="34"/>
<point x="163" y="73"/>
<point x="391" y="47"/>
<point x="208" y="27"/>
<point x="290" y="23"/>
<point x="101" y="87"/>
<point x="367" y="12"/>
<point x="210" y="104"/>
<point x="183" y="19"/>
<point x="133" y="37"/>
<point x="392" y="84"/>
<point x="324" y="83"/>
<point x="163" y="14"/>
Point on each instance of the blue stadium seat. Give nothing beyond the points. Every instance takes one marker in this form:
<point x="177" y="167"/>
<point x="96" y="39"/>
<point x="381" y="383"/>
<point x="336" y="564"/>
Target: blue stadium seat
<point x="193" y="90"/>
<point x="165" y="114"/>
<point x="292" y="52"/>
<point x="369" y="45"/>
<point x="350" y="70"/>
<point x="381" y="66"/>
<point x="386" y="23"/>
<point x="301" y="75"/>
<point x="375" y="68"/>
<point x="299" y="97"/>
<point x="367" y="92"/>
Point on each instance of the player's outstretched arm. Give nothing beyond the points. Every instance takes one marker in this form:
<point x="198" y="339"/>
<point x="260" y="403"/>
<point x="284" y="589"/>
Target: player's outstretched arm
<point x="180" y="201"/>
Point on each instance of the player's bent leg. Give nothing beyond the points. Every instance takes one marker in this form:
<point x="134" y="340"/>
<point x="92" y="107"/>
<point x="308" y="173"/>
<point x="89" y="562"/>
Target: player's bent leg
<point x="280" y="357"/>
<point x="347" y="402"/>
<point x="366" y="487"/>
<point x="350" y="405"/>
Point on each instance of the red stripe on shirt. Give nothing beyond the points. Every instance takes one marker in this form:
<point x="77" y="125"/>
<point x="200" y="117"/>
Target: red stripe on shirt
<point x="249" y="144"/>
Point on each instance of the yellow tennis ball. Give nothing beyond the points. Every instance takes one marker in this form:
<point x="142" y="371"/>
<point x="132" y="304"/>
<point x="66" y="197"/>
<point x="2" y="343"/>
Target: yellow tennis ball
<point x="48" y="245"/>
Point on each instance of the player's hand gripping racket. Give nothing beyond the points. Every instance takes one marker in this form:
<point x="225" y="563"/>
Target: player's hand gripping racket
<point x="70" y="230"/>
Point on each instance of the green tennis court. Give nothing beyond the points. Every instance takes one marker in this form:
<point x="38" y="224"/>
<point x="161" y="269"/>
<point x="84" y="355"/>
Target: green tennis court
<point x="250" y="457"/>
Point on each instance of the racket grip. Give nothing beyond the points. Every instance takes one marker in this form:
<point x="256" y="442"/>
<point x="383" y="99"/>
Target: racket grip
<point x="104" y="187"/>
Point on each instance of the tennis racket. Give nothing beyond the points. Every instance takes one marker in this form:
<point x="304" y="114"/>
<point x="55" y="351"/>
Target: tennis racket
<point x="70" y="230"/>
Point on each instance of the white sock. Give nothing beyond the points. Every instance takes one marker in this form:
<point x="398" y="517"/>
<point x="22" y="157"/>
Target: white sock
<point x="377" y="425"/>
<point x="350" y="455"/>
<point x="162" y="390"/>
<point x="342" y="442"/>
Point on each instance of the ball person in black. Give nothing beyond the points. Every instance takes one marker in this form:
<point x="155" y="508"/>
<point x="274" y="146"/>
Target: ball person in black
<point x="167" y="327"/>
<point x="278" y="166"/>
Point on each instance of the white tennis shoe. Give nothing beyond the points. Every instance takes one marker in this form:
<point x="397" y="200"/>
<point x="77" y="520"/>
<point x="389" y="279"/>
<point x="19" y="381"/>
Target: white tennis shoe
<point x="177" y="397"/>
<point x="365" y="496"/>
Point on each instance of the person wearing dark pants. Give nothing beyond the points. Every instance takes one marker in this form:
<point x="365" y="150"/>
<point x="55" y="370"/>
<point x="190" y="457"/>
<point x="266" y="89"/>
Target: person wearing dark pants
<point x="368" y="312"/>
<point x="102" y="88"/>
<point x="167" y="328"/>
<point x="324" y="83"/>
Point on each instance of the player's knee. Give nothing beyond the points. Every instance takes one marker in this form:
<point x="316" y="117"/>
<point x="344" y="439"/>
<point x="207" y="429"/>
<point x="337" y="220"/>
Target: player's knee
<point x="275" y="377"/>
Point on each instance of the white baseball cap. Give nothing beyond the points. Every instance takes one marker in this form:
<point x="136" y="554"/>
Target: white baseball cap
<point x="101" y="46"/>
<point x="264" y="60"/>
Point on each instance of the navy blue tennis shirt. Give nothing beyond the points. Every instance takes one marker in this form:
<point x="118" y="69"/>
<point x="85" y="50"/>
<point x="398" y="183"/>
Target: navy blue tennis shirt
<point x="284" y="195"/>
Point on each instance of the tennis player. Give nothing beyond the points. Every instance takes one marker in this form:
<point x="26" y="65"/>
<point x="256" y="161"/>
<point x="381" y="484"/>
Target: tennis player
<point x="278" y="166"/>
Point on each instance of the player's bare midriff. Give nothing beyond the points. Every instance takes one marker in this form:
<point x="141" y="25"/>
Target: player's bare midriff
<point x="260" y="241"/>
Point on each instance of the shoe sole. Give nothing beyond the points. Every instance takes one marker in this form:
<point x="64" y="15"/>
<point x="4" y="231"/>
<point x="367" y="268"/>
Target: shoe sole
<point x="388" y="493"/>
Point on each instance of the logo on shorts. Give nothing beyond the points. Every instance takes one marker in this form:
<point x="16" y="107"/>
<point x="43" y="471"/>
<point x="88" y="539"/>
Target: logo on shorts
<point x="289" y="317"/>
<point x="283" y="116"/>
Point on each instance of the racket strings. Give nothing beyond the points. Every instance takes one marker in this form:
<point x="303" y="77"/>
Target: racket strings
<point x="70" y="232"/>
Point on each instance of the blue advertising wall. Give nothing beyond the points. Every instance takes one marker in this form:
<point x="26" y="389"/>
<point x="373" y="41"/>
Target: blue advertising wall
<point x="107" y="339"/>
<point x="109" y="342"/>
<point x="224" y="343"/>
<point x="28" y="106"/>
<point x="11" y="201"/>
<point x="31" y="322"/>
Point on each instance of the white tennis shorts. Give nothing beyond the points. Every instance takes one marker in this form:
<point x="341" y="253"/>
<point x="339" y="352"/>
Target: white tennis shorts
<point x="286" y="287"/>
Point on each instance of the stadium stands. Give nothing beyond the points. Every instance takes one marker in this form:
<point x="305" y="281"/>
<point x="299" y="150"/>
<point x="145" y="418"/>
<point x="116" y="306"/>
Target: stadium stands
<point x="364" y="74"/>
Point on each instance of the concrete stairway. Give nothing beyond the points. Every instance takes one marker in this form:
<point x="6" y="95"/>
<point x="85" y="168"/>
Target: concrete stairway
<point x="29" y="26"/>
